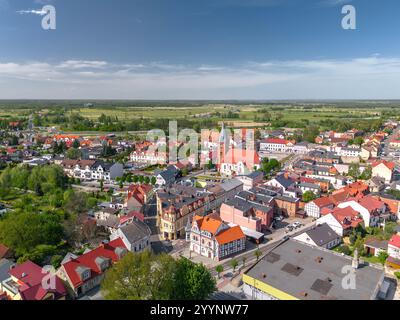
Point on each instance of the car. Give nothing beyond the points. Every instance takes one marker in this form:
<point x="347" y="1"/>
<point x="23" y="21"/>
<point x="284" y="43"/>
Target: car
<point x="289" y="228"/>
<point x="278" y="218"/>
<point x="297" y="225"/>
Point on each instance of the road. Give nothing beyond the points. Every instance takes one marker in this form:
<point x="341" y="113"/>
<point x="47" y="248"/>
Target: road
<point x="386" y="149"/>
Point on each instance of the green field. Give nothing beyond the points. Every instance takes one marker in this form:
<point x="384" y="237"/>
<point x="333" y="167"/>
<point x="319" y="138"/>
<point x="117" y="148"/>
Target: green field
<point x="235" y="114"/>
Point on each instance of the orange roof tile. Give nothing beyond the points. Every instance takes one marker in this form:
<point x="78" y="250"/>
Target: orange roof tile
<point x="230" y="235"/>
<point x="390" y="165"/>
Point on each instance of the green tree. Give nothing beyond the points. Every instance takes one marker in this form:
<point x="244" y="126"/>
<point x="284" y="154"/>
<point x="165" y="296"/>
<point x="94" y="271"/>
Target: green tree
<point x="153" y="180"/>
<point x="185" y="172"/>
<point x="310" y="133"/>
<point x="74" y="154"/>
<point x="367" y="173"/>
<point x="76" y="144"/>
<point x="359" y="141"/>
<point x="140" y="276"/>
<point x="234" y="264"/>
<point x="192" y="281"/>
<point x="258" y="254"/>
<point x="344" y="249"/>
<point x="309" y="196"/>
<point x="56" y="261"/>
<point x="219" y="269"/>
<point x="23" y="231"/>
<point x="354" y="171"/>
<point x="383" y="257"/>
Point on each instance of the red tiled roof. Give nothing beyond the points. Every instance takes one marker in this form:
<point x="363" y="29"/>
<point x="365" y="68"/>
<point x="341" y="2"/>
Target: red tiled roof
<point x="276" y="141"/>
<point x="389" y="165"/>
<point x="230" y="235"/>
<point x="323" y="202"/>
<point x="139" y="192"/>
<point x="210" y="223"/>
<point x="88" y="260"/>
<point x="249" y="157"/>
<point x="371" y="203"/>
<point x="395" y="241"/>
<point x="307" y="180"/>
<point x="347" y="217"/>
<point x="131" y="215"/>
<point x="30" y="278"/>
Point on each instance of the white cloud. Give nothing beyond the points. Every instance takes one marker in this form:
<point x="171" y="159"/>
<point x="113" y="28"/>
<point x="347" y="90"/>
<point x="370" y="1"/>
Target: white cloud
<point x="373" y="77"/>
<point x="33" y="11"/>
<point x="80" y="64"/>
<point x="333" y="3"/>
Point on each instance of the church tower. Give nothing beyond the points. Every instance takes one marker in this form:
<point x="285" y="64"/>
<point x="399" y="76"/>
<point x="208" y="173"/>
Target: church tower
<point x="223" y="141"/>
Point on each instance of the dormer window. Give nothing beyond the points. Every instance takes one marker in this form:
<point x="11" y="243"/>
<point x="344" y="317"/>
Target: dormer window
<point x="102" y="263"/>
<point x="83" y="272"/>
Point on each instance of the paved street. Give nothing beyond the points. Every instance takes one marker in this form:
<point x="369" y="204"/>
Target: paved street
<point x="387" y="149"/>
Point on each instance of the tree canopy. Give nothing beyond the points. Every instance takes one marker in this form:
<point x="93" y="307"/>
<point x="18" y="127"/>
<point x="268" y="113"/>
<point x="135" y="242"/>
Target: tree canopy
<point x="145" y="276"/>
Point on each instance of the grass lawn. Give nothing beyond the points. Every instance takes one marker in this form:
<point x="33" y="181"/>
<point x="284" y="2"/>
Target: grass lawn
<point x="372" y="259"/>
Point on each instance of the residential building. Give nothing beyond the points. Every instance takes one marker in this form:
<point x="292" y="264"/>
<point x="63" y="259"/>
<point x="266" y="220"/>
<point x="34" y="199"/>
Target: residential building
<point x="275" y="145"/>
<point x="305" y="187"/>
<point x="149" y="157"/>
<point x="313" y="208"/>
<point x="383" y="169"/>
<point x="138" y="196"/>
<point x="87" y="271"/>
<point x="135" y="236"/>
<point x="250" y="212"/>
<point x="92" y="170"/>
<point x="281" y="182"/>
<point x="375" y="246"/>
<point x="251" y="180"/>
<point x="342" y="221"/>
<point x="25" y="282"/>
<point x="166" y="177"/>
<point x="212" y="238"/>
<point x="350" y="152"/>
<point x="301" y="148"/>
<point x="369" y="207"/>
<point x="321" y="235"/>
<point x="176" y="207"/>
<point x="393" y="260"/>
<point x="286" y="206"/>
<point x="370" y="150"/>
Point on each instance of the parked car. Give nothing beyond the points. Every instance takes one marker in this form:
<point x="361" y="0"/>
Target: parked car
<point x="297" y="225"/>
<point x="289" y="229"/>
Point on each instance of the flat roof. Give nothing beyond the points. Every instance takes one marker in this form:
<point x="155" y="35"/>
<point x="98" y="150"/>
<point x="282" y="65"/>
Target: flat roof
<point x="249" y="233"/>
<point x="311" y="273"/>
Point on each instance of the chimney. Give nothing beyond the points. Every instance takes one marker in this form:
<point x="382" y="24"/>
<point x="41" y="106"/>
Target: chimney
<point x="356" y="261"/>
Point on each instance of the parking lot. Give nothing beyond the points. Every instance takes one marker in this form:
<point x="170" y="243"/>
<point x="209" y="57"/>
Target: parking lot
<point x="282" y="228"/>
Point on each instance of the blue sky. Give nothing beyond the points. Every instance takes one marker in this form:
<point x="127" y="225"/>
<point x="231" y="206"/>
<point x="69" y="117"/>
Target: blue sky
<point x="199" y="49"/>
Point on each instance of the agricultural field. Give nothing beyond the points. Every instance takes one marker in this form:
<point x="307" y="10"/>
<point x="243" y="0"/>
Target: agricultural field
<point x="82" y="116"/>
